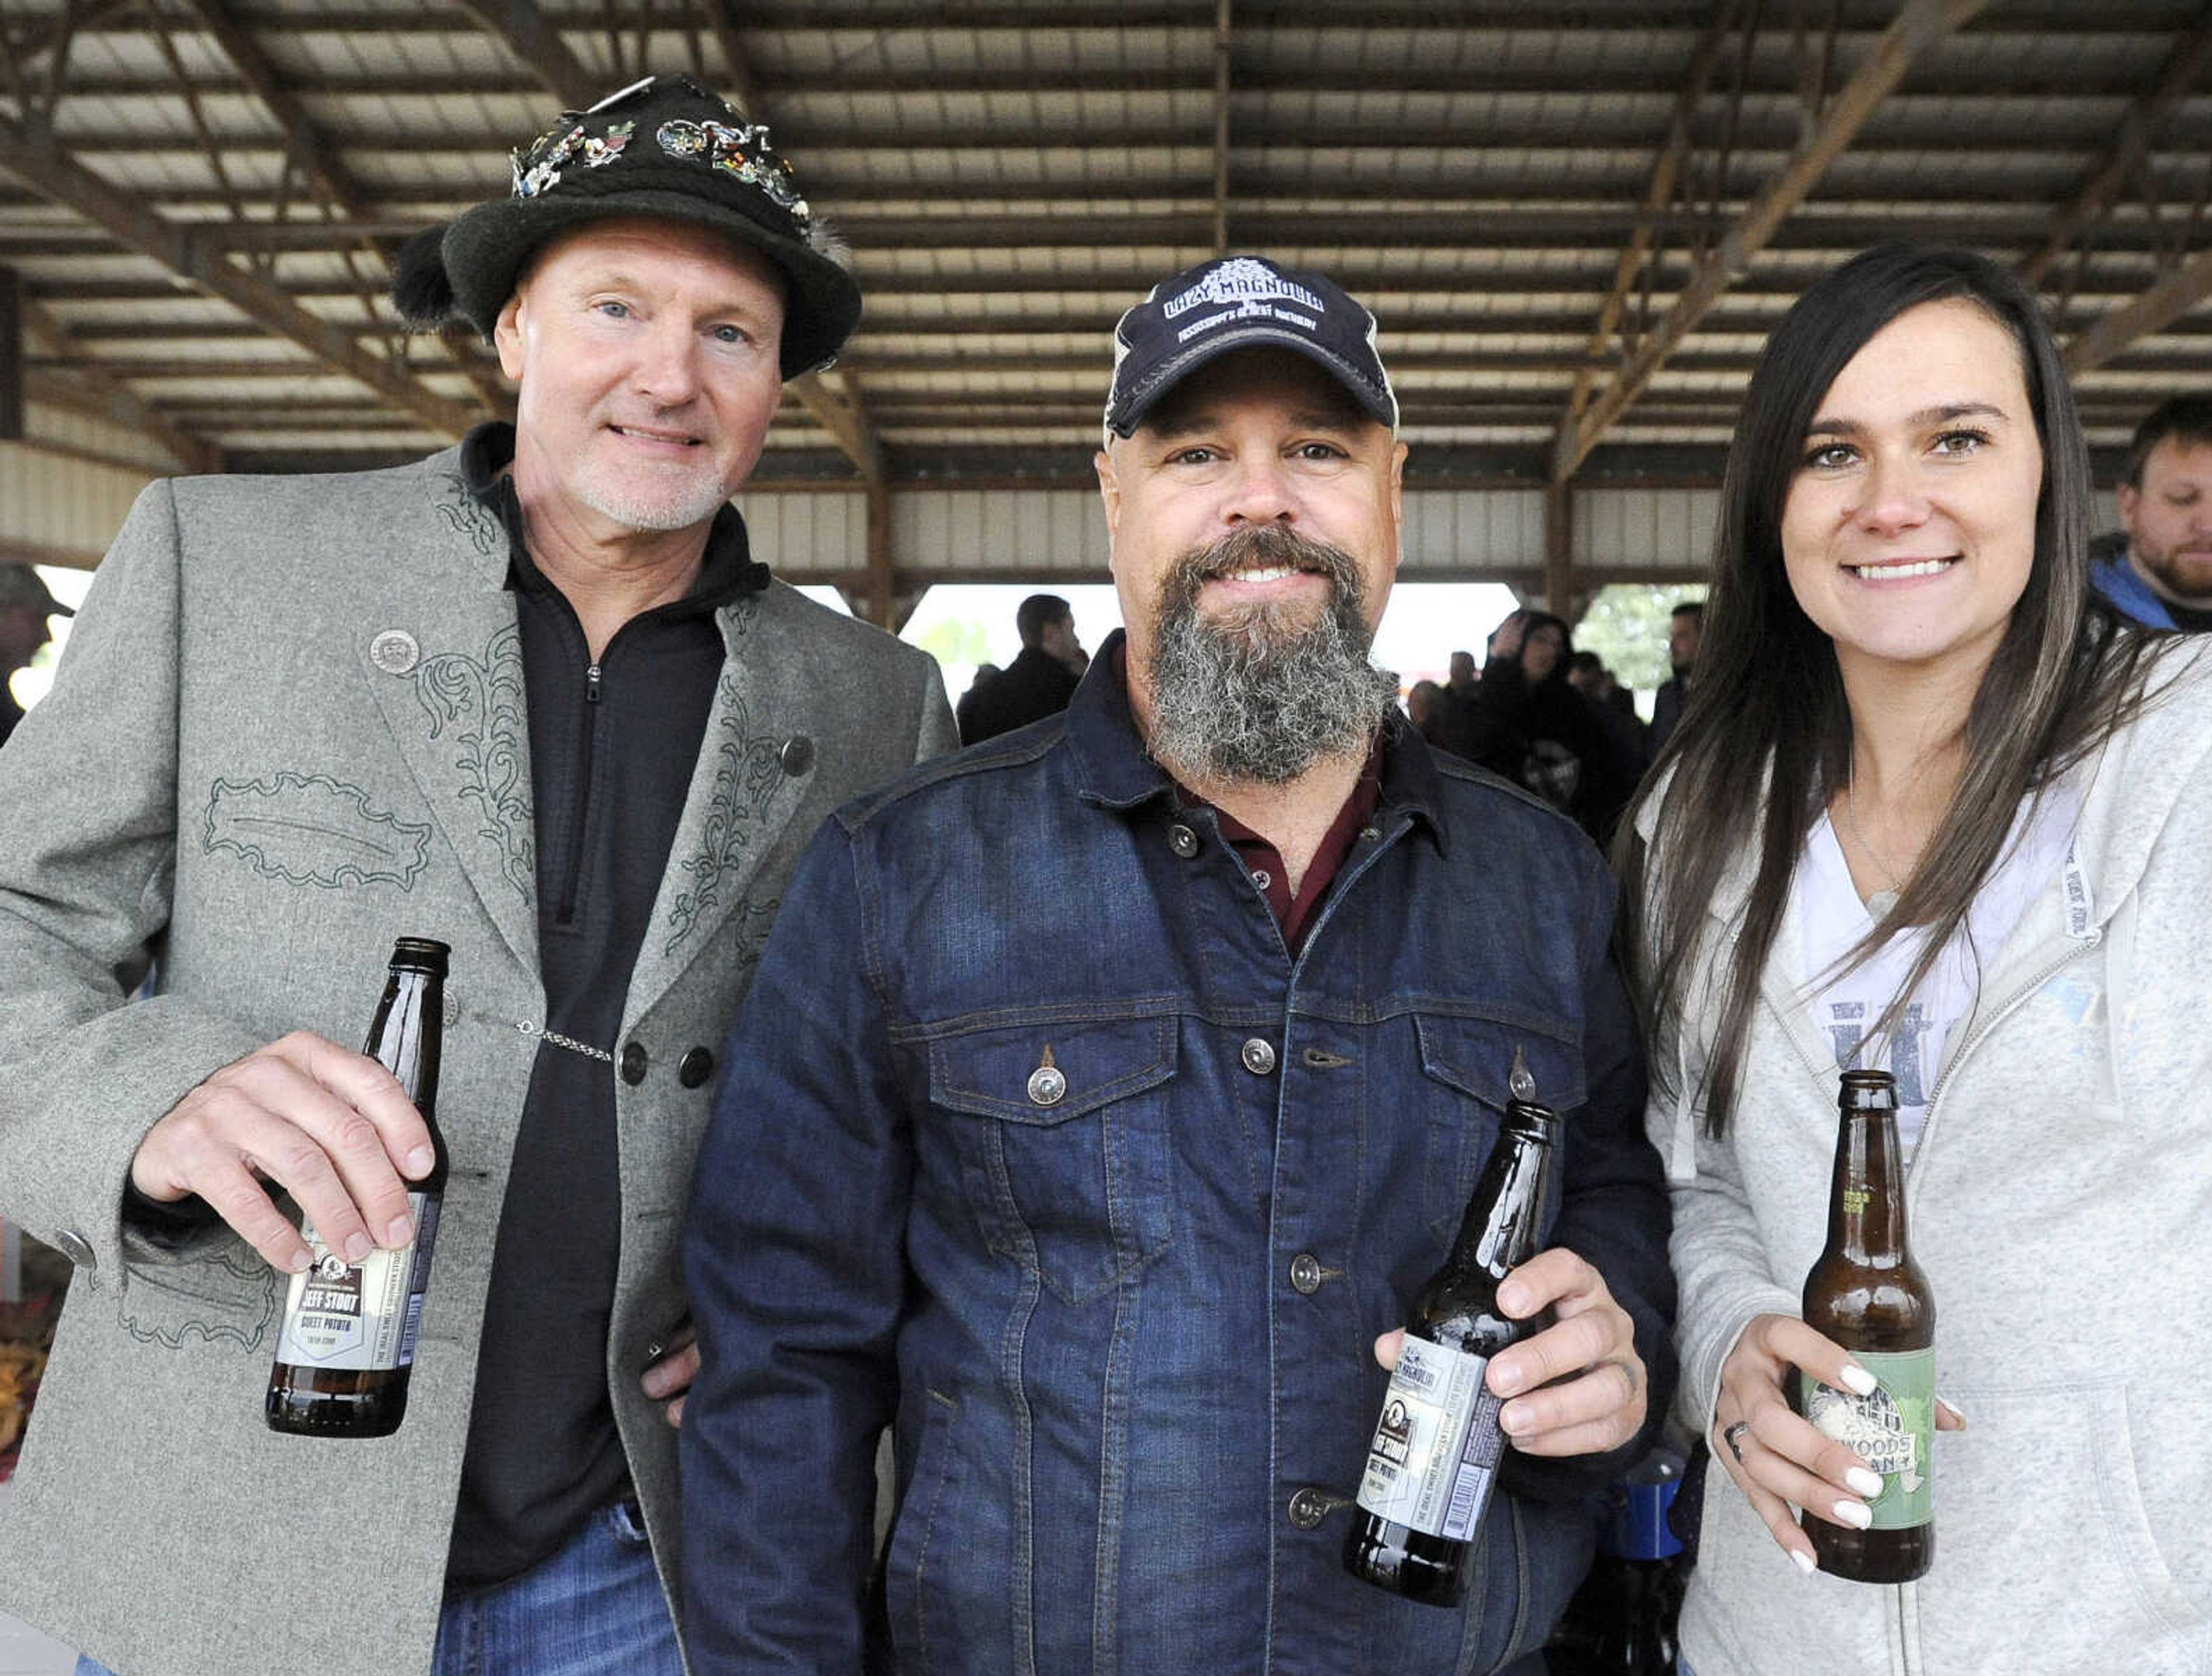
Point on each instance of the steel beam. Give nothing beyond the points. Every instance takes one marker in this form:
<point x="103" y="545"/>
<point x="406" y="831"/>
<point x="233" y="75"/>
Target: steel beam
<point x="1918" y="26"/>
<point x="1666" y="171"/>
<point x="2094" y="201"/>
<point x="88" y="387"/>
<point x="34" y="157"/>
<point x="2181" y="291"/>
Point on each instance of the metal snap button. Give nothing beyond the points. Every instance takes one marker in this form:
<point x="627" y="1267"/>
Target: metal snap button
<point x="1182" y="840"/>
<point x="633" y="1063"/>
<point x="697" y="1067"/>
<point x="1262" y="878"/>
<point x="1310" y="1507"/>
<point x="394" y="652"/>
<point x="1047" y="1085"/>
<point x="1258" y="1057"/>
<point x="797" y="755"/>
<point x="1306" y="1274"/>
<point x="1370" y="834"/>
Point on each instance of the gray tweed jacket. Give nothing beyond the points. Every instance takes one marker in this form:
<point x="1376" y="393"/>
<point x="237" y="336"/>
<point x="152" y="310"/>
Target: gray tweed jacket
<point x="290" y="726"/>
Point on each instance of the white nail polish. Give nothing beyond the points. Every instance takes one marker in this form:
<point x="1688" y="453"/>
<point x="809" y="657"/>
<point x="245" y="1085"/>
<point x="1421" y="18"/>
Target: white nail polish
<point x="1859" y="1380"/>
<point x="1857" y="1514"/>
<point x="1803" y="1561"/>
<point x="1866" y="1483"/>
<point x="1953" y="1410"/>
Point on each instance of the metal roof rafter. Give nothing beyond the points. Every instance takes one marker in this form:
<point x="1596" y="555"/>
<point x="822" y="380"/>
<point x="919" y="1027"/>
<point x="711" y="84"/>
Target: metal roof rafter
<point x="30" y="152"/>
<point x="2099" y="194"/>
<point x="91" y="389"/>
<point x="2188" y="285"/>
<point x="309" y="151"/>
<point x="1658" y="199"/>
<point x="1919" y="24"/>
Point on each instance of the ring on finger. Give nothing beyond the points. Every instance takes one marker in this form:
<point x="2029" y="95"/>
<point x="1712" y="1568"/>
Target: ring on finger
<point x="1734" y="1438"/>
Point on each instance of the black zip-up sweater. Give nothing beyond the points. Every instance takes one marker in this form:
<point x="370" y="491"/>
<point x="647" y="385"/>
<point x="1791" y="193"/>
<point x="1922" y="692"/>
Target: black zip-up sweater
<point x="612" y="748"/>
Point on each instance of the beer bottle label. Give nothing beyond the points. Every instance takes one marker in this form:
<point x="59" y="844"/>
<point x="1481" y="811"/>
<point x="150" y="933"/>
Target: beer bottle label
<point x="1437" y="1445"/>
<point x="360" y="1317"/>
<point x="1893" y="1431"/>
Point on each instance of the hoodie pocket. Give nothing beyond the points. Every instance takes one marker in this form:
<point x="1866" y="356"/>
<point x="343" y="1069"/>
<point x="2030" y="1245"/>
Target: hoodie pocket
<point x="2044" y="1556"/>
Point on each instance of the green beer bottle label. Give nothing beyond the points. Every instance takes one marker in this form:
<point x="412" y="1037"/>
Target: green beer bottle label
<point x="1891" y="1430"/>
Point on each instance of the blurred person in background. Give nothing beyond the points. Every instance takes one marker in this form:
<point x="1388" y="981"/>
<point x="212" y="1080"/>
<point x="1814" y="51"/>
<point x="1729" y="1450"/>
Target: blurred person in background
<point x="25" y="604"/>
<point x="1685" y="626"/>
<point x="2157" y="567"/>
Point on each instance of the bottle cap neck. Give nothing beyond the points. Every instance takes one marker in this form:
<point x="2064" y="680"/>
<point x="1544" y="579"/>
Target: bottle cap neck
<point x="420" y="954"/>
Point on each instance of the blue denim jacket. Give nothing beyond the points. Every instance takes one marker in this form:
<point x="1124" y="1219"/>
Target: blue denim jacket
<point x="1037" y="1140"/>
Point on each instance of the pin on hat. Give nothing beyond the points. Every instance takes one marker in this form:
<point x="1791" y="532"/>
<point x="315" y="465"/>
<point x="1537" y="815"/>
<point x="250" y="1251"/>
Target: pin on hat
<point x="20" y="585"/>
<point x="664" y="148"/>
<point x="1241" y="303"/>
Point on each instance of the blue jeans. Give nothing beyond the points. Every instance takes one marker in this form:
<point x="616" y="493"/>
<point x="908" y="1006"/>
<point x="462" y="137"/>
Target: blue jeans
<point x="594" y="1609"/>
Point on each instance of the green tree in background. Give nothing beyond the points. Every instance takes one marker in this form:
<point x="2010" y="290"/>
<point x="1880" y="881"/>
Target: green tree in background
<point x="958" y="643"/>
<point x="1626" y="625"/>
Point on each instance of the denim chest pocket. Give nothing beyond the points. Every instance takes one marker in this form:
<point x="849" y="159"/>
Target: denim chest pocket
<point x="1062" y="1130"/>
<point x="1467" y="1065"/>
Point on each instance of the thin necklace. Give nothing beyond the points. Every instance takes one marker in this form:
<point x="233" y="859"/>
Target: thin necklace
<point x="1881" y="901"/>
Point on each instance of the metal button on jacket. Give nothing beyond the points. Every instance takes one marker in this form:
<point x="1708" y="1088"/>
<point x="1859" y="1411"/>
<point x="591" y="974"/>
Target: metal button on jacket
<point x="697" y="1066"/>
<point x="1047" y="1084"/>
<point x="1307" y="1274"/>
<point x="1310" y="1507"/>
<point x="394" y="652"/>
<point x="1182" y="840"/>
<point x="797" y="755"/>
<point x="75" y="1247"/>
<point x="1258" y="1057"/>
<point x="633" y="1063"/>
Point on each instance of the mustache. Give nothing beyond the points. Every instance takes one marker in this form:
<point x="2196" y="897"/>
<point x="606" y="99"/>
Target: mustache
<point x="1262" y="546"/>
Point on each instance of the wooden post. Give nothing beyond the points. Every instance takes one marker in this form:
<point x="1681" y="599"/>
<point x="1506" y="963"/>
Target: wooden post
<point x="880" y="606"/>
<point x="1560" y="549"/>
<point x="11" y="356"/>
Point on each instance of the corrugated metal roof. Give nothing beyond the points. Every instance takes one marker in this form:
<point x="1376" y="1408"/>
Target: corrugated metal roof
<point x="1013" y="172"/>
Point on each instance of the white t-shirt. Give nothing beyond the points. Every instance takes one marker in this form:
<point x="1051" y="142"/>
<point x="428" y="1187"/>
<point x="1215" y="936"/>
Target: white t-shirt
<point x="1833" y="919"/>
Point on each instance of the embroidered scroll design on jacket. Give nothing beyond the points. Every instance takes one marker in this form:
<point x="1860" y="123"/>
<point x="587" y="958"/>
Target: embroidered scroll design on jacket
<point x="481" y="701"/>
<point x="747" y="773"/>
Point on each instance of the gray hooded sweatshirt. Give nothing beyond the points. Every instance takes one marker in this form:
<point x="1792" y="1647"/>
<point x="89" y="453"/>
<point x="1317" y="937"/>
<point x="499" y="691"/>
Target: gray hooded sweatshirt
<point x="2060" y="1201"/>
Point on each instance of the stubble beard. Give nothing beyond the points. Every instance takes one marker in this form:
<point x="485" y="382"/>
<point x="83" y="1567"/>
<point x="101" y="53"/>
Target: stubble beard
<point x="678" y="505"/>
<point x="2183" y="575"/>
<point x="1261" y="694"/>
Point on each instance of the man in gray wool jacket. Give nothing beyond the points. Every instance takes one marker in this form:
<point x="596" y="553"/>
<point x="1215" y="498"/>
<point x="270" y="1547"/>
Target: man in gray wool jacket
<point x="533" y="698"/>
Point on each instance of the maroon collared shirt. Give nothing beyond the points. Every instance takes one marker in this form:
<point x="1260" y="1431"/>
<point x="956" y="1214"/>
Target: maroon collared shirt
<point x="1294" y="913"/>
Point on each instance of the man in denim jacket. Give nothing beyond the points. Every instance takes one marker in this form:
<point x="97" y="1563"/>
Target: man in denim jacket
<point x="1107" y="1089"/>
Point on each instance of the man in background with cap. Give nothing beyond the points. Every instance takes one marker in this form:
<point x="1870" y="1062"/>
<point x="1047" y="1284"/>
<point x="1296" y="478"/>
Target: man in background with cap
<point x="534" y="698"/>
<point x="1108" y="1089"/>
<point x="26" y="603"/>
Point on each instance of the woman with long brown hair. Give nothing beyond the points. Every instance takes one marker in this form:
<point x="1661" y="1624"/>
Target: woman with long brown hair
<point x="1931" y="809"/>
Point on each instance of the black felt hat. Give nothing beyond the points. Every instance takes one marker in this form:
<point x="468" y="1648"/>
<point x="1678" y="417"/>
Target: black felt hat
<point x="664" y="148"/>
<point x="1237" y="302"/>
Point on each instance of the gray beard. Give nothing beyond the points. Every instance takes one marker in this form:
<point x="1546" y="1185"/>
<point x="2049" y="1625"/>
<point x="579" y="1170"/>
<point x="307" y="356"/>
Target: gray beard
<point x="678" y="504"/>
<point x="1260" y="697"/>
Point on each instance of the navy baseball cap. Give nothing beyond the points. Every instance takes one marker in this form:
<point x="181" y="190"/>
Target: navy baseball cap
<point x="1242" y="302"/>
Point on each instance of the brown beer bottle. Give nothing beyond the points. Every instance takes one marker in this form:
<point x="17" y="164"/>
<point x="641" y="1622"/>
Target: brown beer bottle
<point x="347" y="1342"/>
<point x="1434" y="1458"/>
<point x="1867" y="1294"/>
